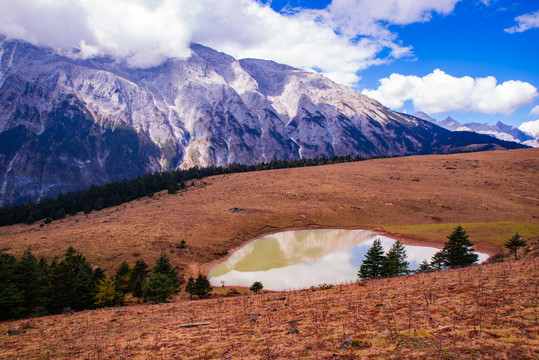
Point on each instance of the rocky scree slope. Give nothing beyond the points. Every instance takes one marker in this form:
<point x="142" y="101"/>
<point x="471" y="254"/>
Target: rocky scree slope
<point x="68" y="123"/>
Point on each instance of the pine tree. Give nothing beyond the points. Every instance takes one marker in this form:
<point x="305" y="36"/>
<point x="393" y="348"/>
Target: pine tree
<point x="158" y="287"/>
<point x="32" y="281"/>
<point x="72" y="282"/>
<point x="256" y="287"/>
<point x="106" y="293"/>
<point x="123" y="278"/>
<point x="11" y="302"/>
<point x="190" y="287"/>
<point x="374" y="260"/>
<point x="458" y="250"/>
<point x="138" y="274"/>
<point x="11" y="297"/>
<point x="162" y="266"/>
<point x="99" y="274"/>
<point x="438" y="260"/>
<point x="514" y="243"/>
<point x="395" y="262"/>
<point x="45" y="284"/>
<point x="424" y="266"/>
<point x="202" y="286"/>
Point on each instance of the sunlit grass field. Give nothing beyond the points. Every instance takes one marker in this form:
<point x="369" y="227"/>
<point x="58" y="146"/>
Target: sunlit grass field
<point x="495" y="233"/>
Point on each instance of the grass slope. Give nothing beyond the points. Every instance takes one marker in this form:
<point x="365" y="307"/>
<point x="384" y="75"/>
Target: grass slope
<point x="488" y="311"/>
<point x="419" y="198"/>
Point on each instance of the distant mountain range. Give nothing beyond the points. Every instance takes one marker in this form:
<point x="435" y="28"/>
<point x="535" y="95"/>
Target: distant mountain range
<point x="68" y="123"/>
<point x="499" y="130"/>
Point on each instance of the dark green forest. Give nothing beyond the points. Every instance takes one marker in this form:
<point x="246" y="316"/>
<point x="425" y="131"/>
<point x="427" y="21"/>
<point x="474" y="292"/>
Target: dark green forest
<point x="32" y="287"/>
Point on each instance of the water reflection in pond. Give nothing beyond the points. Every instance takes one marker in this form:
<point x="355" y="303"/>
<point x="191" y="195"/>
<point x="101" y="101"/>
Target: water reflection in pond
<point x="300" y="259"/>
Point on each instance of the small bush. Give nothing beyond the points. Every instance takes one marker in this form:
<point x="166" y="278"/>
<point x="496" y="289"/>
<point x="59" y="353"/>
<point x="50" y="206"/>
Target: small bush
<point x="359" y="344"/>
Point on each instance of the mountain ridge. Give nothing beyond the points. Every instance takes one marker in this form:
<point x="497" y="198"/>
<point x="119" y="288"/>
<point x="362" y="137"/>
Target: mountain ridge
<point x="499" y="130"/>
<point x="70" y="123"/>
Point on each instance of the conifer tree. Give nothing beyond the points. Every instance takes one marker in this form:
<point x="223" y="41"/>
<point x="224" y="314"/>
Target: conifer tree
<point x="374" y="261"/>
<point x="123" y="278"/>
<point x="11" y="297"/>
<point x="514" y="243"/>
<point x="158" y="287"/>
<point x="424" y="266"/>
<point x="32" y="281"/>
<point x="437" y="261"/>
<point x="162" y="266"/>
<point x="138" y="274"/>
<point x="107" y="294"/>
<point x="72" y="282"/>
<point x="395" y="262"/>
<point x="256" y="287"/>
<point x="99" y="274"/>
<point x="190" y="287"/>
<point x="458" y="250"/>
<point x="202" y="286"/>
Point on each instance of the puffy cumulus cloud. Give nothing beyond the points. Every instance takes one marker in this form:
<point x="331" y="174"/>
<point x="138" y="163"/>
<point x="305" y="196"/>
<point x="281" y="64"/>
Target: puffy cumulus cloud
<point x="531" y="127"/>
<point x="369" y="16"/>
<point x="439" y="92"/>
<point x="525" y="22"/>
<point x="295" y="39"/>
<point x="347" y="36"/>
<point x="535" y="111"/>
<point x="143" y="33"/>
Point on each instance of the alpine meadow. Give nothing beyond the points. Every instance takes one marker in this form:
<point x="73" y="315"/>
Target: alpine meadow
<point x="269" y="179"/>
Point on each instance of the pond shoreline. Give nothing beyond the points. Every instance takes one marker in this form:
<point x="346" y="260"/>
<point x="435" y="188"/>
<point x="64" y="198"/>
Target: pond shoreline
<point x="405" y="239"/>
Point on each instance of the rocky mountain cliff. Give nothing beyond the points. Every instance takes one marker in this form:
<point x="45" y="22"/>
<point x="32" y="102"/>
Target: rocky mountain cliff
<point x="67" y="123"/>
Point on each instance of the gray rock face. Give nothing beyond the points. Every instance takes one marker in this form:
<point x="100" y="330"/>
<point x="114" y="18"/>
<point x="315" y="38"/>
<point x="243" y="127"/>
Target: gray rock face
<point x="66" y="123"/>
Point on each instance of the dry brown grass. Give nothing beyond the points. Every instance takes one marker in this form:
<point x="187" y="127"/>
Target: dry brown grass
<point x="491" y="188"/>
<point x="486" y="311"/>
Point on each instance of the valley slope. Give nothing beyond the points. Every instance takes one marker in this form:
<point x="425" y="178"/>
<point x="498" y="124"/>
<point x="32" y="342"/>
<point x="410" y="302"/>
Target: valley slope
<point x="421" y="198"/>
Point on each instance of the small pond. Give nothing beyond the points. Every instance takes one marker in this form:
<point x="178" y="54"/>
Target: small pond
<point x="301" y="259"/>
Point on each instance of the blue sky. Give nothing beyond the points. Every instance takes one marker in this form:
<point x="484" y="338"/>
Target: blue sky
<point x="474" y="60"/>
<point x="469" y="41"/>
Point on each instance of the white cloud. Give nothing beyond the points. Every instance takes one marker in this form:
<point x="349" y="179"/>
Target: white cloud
<point x="525" y="22"/>
<point x="342" y="39"/>
<point x="531" y="127"/>
<point x="367" y="16"/>
<point x="535" y="111"/>
<point x="439" y="92"/>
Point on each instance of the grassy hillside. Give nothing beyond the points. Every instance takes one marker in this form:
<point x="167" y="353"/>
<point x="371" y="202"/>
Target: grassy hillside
<point x="417" y="198"/>
<point x="481" y="312"/>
